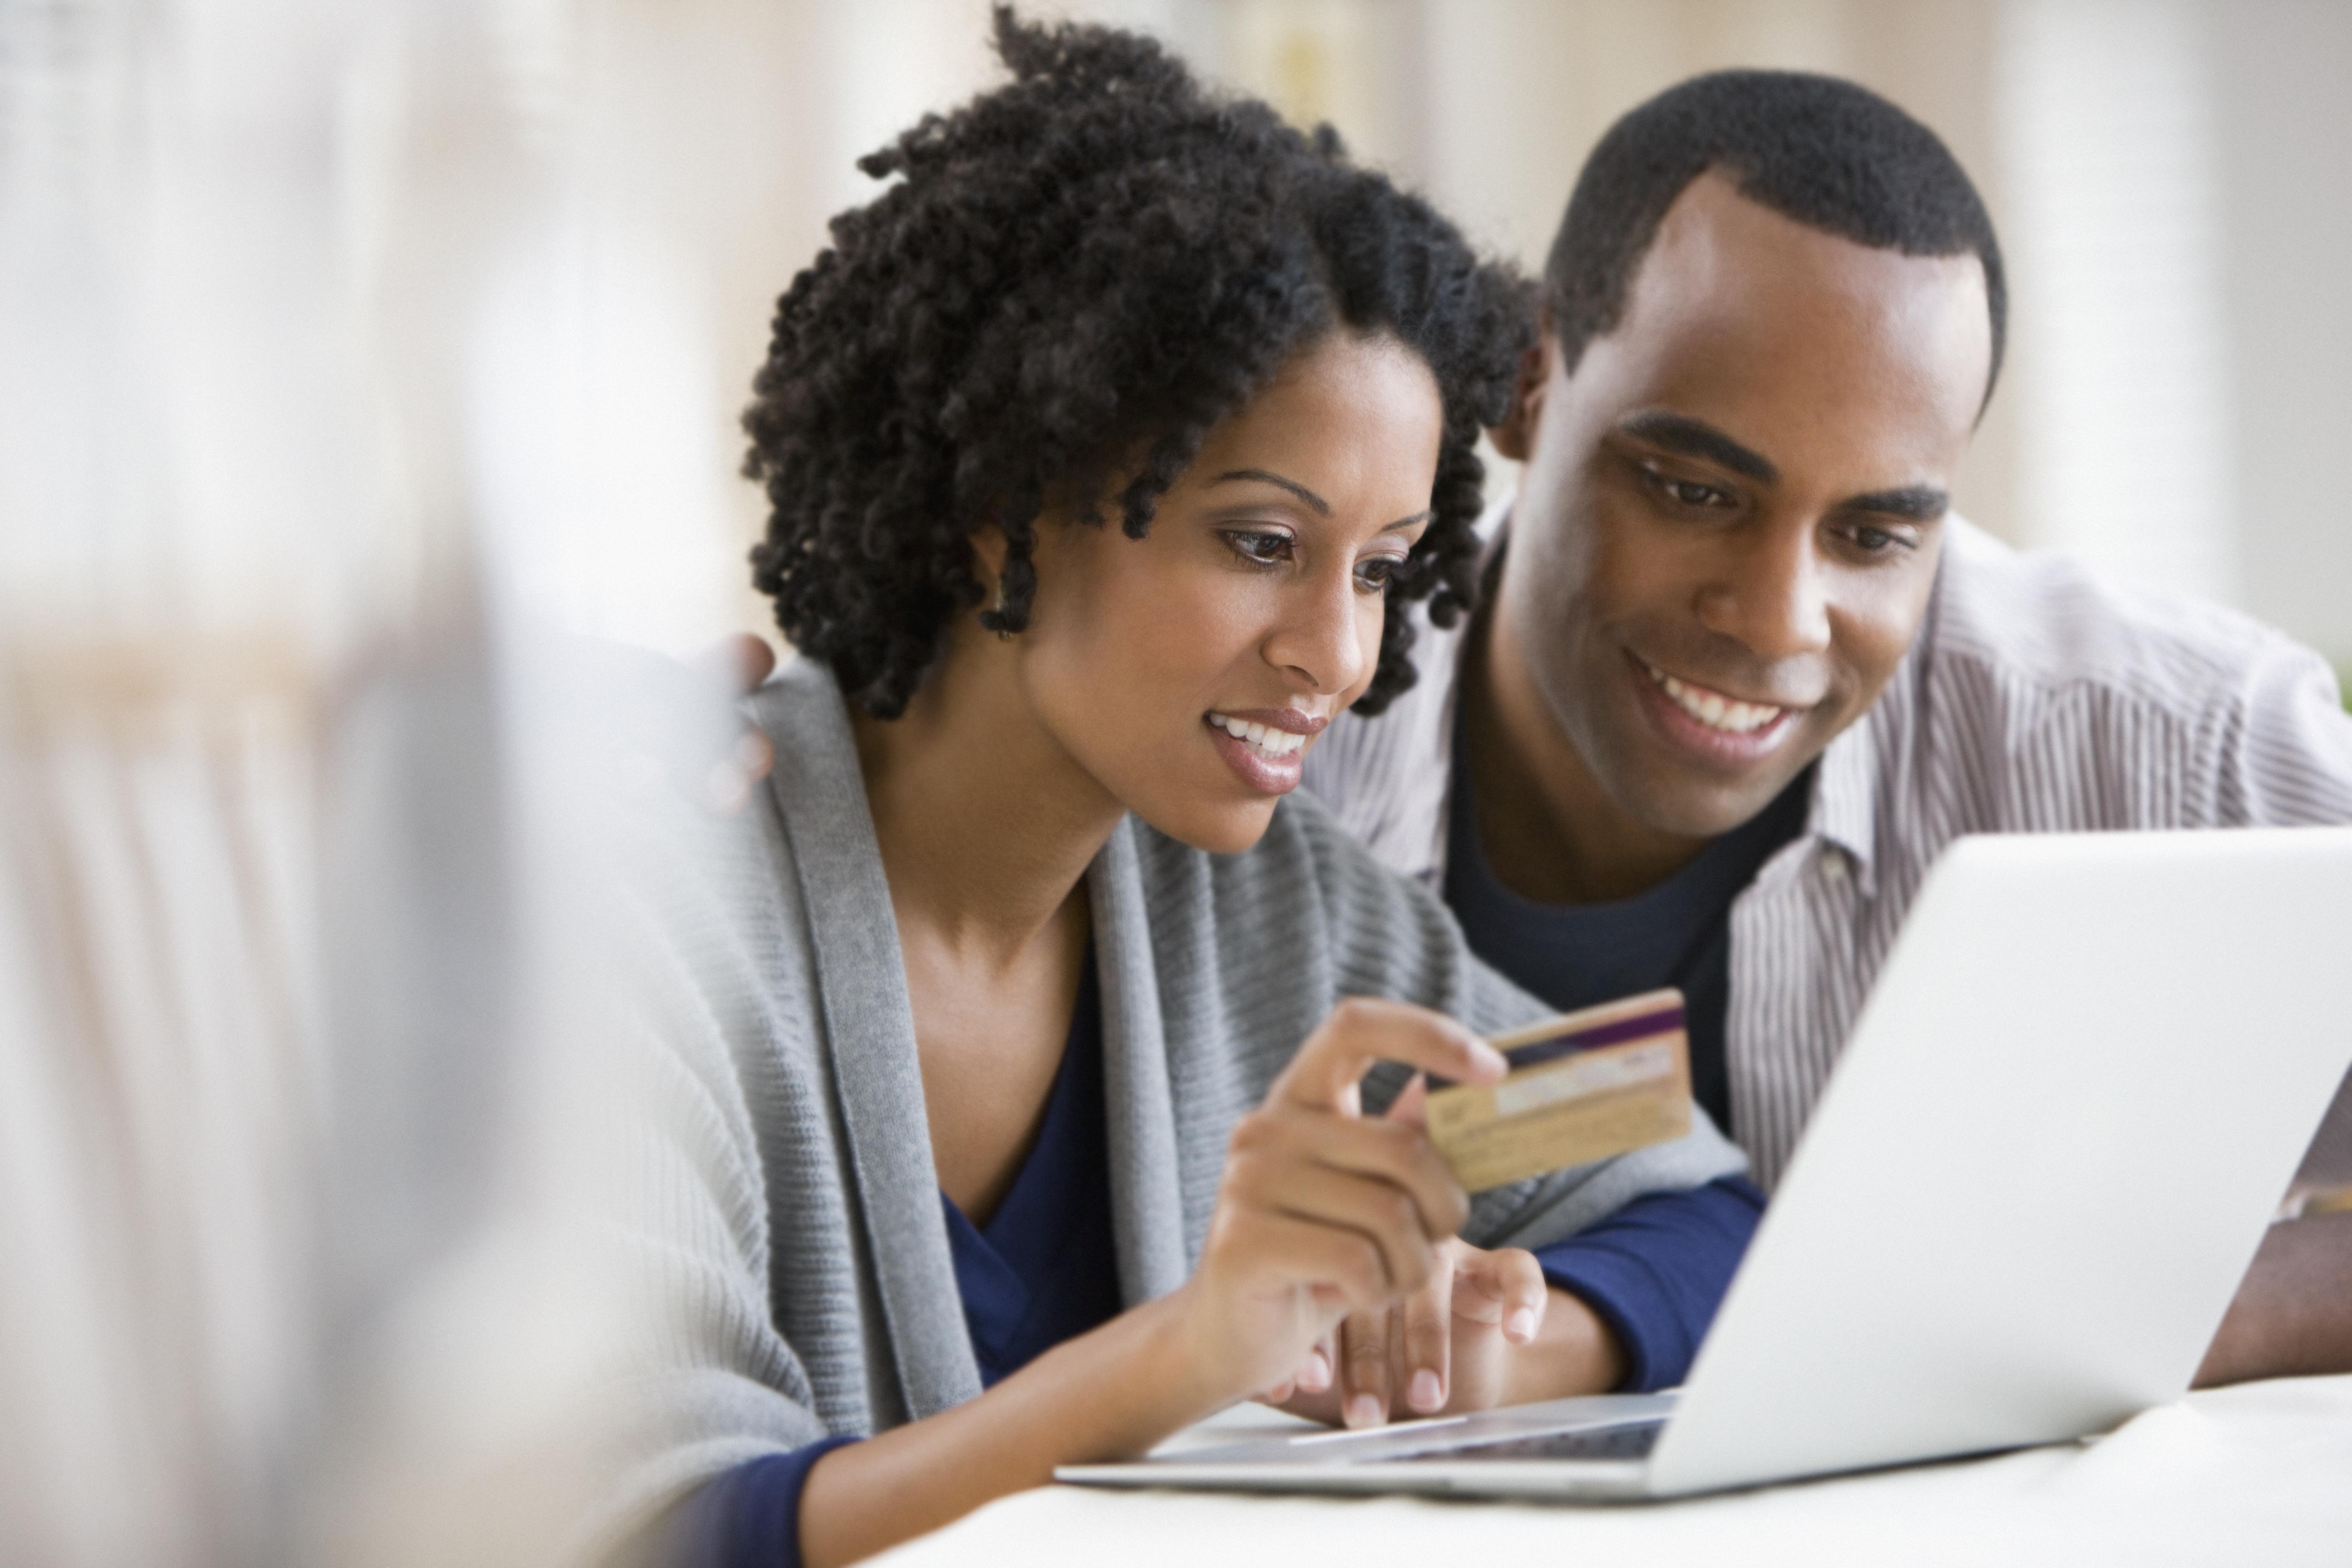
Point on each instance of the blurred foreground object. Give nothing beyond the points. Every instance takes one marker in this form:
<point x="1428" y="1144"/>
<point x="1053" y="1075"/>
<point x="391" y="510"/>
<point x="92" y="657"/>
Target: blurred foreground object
<point x="299" y="994"/>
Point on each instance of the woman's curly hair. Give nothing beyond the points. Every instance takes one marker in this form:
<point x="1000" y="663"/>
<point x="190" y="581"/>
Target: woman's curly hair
<point x="1074" y="278"/>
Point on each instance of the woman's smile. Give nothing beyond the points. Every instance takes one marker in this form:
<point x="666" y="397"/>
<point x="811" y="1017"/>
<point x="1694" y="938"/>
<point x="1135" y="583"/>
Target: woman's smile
<point x="1267" y="747"/>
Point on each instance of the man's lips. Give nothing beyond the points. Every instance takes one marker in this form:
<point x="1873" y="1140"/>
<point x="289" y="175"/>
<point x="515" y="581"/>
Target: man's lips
<point x="1716" y="710"/>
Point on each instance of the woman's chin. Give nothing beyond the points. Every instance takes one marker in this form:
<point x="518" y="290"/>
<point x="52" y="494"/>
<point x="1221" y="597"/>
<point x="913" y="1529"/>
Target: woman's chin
<point x="1220" y="828"/>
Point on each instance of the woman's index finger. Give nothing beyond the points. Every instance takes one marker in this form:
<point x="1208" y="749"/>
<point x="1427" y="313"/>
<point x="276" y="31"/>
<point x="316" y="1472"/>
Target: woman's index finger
<point x="1363" y="1031"/>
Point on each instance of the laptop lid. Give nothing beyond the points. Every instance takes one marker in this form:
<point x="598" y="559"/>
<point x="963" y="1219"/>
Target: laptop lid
<point x="2074" y="1098"/>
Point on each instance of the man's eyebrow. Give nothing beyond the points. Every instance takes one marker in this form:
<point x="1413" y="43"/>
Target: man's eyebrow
<point x="1919" y="503"/>
<point x="1696" y="438"/>
<point x="1322" y="507"/>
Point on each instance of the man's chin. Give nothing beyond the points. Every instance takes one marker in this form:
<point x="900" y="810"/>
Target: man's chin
<point x="1684" y="808"/>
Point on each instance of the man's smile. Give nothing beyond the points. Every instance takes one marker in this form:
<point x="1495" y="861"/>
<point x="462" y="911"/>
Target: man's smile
<point x="1717" y="710"/>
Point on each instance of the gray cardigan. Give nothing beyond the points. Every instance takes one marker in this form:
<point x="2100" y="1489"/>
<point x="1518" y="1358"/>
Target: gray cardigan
<point x="785" y="1220"/>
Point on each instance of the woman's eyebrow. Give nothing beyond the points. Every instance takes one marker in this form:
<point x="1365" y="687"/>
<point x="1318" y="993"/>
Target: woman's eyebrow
<point x="1322" y="507"/>
<point x="1408" y="522"/>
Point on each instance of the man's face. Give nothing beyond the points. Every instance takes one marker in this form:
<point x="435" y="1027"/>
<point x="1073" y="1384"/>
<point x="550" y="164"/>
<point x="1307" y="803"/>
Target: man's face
<point x="1728" y="529"/>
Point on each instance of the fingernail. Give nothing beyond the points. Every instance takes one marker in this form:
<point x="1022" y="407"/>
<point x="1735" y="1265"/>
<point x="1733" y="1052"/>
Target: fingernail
<point x="1316" y="1375"/>
<point x="1522" y="1326"/>
<point x="1424" y="1394"/>
<point x="1363" y="1410"/>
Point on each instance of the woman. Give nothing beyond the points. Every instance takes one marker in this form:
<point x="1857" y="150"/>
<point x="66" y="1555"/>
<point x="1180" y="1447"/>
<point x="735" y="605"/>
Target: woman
<point x="1105" y="451"/>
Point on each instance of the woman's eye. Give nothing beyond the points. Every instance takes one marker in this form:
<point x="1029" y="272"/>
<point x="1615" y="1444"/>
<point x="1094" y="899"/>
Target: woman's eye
<point x="1263" y="545"/>
<point x="1374" y="576"/>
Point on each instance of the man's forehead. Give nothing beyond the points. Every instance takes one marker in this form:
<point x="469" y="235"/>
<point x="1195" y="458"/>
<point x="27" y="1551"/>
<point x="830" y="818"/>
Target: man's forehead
<point x="1716" y="244"/>
<point x="1746" y="317"/>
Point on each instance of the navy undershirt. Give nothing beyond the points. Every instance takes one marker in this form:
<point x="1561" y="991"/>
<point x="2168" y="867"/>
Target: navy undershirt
<point x="1657" y="1270"/>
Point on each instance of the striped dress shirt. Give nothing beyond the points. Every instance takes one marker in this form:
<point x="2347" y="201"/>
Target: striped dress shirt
<point x="2037" y="698"/>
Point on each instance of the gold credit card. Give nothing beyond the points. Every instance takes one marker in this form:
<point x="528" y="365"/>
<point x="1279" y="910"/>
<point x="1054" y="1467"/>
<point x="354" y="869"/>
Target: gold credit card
<point x="1583" y="1086"/>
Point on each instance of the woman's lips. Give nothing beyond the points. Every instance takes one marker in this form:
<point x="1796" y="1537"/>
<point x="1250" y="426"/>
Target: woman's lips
<point x="1267" y="747"/>
<point x="1710" y="724"/>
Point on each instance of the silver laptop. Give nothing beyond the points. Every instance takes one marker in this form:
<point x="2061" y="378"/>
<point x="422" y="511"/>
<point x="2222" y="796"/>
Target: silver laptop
<point x="2066" y="1114"/>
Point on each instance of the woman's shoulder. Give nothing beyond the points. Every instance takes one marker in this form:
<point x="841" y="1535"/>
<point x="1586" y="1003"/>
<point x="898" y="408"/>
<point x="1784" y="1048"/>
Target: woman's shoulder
<point x="1310" y="900"/>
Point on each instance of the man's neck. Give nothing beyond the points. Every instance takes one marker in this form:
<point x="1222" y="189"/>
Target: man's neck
<point x="1550" y="832"/>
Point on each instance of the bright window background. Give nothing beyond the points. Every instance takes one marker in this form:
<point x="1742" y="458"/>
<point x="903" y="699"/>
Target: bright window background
<point x="2169" y="178"/>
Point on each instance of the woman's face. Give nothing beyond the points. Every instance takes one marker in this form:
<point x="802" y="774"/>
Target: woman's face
<point x="1254" y="603"/>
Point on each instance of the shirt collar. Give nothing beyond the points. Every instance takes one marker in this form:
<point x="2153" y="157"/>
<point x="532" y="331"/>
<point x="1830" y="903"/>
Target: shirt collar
<point x="1846" y="784"/>
<point x="1845" y="797"/>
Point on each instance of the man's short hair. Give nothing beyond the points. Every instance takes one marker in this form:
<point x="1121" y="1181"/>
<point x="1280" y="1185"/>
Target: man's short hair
<point x="1830" y="154"/>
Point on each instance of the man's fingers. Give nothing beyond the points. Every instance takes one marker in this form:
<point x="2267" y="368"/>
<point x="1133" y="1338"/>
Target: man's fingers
<point x="737" y="664"/>
<point x="1363" y="1031"/>
<point x="1364" y="1367"/>
<point x="1428" y="1328"/>
<point x="1503" y="1288"/>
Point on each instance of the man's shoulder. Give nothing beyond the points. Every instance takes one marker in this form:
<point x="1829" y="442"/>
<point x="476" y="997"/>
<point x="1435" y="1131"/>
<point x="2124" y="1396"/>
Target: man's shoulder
<point x="2045" y="627"/>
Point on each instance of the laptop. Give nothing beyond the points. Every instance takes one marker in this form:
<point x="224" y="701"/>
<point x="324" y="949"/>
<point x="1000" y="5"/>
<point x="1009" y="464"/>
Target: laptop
<point x="2066" y="1114"/>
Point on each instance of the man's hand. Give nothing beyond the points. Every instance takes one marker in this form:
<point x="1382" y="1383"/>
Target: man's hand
<point x="2293" y="1314"/>
<point x="736" y="664"/>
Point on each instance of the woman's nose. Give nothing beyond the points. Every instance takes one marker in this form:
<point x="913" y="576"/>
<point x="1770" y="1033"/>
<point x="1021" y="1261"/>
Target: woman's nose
<point x="1322" y="635"/>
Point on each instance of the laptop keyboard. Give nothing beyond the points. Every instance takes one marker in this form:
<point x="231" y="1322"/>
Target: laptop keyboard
<point x="1625" y="1440"/>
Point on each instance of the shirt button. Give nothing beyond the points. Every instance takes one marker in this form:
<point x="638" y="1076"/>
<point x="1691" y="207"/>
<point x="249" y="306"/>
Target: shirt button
<point x="1833" y="865"/>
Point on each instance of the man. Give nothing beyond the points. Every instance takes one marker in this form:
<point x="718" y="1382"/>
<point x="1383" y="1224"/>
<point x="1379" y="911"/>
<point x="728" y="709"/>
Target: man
<point x="1737" y="677"/>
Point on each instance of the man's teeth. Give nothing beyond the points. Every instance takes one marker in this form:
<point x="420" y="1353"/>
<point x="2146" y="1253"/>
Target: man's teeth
<point x="1712" y="708"/>
<point x="1258" y="737"/>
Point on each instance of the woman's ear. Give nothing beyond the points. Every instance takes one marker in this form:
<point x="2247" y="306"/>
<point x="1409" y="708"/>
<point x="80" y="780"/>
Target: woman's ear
<point x="988" y="552"/>
<point x="1515" y="437"/>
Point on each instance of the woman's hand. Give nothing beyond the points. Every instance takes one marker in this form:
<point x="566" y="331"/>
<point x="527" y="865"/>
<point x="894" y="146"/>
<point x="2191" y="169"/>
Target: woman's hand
<point x="1323" y="1211"/>
<point x="1472" y="1337"/>
<point x="1450" y="1346"/>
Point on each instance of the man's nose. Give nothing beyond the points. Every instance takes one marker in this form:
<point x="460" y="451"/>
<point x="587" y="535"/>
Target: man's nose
<point x="1770" y="594"/>
<point x="1320" y="637"/>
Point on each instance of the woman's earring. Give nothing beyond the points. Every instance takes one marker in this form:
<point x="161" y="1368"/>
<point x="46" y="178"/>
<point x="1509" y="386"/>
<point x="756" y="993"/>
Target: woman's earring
<point x="1003" y="628"/>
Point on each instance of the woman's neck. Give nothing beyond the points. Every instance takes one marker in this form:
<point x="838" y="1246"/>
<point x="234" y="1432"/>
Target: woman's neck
<point x="986" y="824"/>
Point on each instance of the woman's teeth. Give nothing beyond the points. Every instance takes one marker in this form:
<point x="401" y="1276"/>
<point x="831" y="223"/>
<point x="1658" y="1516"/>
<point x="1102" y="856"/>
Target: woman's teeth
<point x="1265" y="742"/>
<point x="1714" y="709"/>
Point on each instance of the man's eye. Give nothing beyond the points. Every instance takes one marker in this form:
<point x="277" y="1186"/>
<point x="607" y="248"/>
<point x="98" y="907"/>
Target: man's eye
<point x="1689" y="492"/>
<point x="1875" y="542"/>
<point x="1263" y="545"/>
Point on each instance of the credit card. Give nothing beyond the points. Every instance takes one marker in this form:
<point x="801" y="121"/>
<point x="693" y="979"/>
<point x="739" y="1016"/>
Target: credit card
<point x="1583" y="1086"/>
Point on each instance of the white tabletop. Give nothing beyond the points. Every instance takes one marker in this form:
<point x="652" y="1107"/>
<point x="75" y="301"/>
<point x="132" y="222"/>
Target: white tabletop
<point x="2258" y="1475"/>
